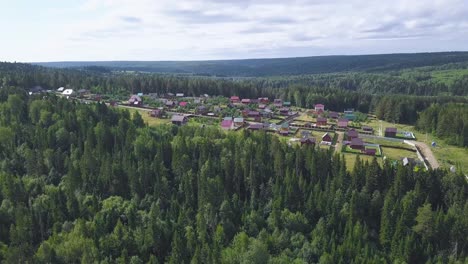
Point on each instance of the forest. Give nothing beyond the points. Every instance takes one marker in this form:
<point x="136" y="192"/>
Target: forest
<point x="446" y="121"/>
<point x="281" y="66"/>
<point x="397" y="96"/>
<point x="93" y="184"/>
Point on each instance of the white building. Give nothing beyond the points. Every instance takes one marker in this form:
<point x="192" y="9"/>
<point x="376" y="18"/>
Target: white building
<point x="67" y="92"/>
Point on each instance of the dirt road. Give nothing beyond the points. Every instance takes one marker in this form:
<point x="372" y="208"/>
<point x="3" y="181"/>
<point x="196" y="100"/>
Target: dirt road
<point x="427" y="153"/>
<point x="339" y="142"/>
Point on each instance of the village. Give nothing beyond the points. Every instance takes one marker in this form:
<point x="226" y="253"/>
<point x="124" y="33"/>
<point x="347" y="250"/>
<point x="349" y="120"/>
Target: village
<point x="346" y="132"/>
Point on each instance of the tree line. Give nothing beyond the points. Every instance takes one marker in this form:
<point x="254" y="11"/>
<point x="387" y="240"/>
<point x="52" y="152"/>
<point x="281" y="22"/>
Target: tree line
<point x="448" y="121"/>
<point x="90" y="183"/>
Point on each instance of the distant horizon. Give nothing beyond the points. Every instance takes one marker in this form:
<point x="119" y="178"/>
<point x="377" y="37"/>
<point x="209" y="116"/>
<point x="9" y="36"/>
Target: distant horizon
<point x="244" y="59"/>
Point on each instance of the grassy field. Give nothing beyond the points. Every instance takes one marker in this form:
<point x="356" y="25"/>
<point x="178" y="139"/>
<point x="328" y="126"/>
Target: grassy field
<point x="306" y="118"/>
<point x="386" y="142"/>
<point x="375" y="124"/>
<point x="447" y="155"/>
<point x="350" y="159"/>
<point x="398" y="154"/>
<point x="348" y="149"/>
<point x="151" y="121"/>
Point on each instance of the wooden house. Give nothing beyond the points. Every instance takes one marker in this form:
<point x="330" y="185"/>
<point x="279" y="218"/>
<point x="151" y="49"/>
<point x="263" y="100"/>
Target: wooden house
<point x="256" y="126"/>
<point x="333" y="115"/>
<point x="156" y="113"/>
<point x="179" y="120"/>
<point x="246" y="101"/>
<point x="278" y="102"/>
<point x="201" y="110"/>
<point x="357" y="143"/>
<point x="307" y="141"/>
<point x="239" y="121"/>
<point x="390" y="132"/>
<point x="352" y="134"/>
<point x="135" y="100"/>
<point x="343" y="123"/>
<point x="284" y="111"/>
<point x="327" y="138"/>
<point x="370" y="152"/>
<point x="319" y="108"/>
<point x="227" y="124"/>
<point x="321" y="121"/>
<point x="234" y="99"/>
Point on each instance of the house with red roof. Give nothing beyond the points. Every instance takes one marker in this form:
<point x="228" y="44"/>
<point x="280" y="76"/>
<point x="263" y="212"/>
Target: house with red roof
<point x="333" y="115"/>
<point x="235" y="99"/>
<point x="179" y="120"/>
<point x="321" y="121"/>
<point x="256" y="126"/>
<point x="357" y="143"/>
<point x="135" y="100"/>
<point x="183" y="104"/>
<point x="343" y="123"/>
<point x="284" y="111"/>
<point x="352" y="134"/>
<point x="278" y="102"/>
<point x="319" y="108"/>
<point x="327" y="138"/>
<point x="390" y="132"/>
<point x="227" y="124"/>
<point x="307" y="141"/>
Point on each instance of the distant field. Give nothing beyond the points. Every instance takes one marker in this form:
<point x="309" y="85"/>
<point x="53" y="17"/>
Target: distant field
<point x="448" y="76"/>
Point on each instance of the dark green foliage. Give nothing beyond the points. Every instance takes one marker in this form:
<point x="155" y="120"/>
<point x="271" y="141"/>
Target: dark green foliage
<point x="449" y="121"/>
<point x="85" y="183"/>
<point x="280" y="66"/>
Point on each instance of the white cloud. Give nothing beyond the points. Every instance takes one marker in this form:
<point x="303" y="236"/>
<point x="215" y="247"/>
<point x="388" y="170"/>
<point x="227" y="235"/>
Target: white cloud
<point x="217" y="29"/>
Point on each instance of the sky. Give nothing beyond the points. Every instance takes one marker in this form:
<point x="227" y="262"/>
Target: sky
<point x="102" y="30"/>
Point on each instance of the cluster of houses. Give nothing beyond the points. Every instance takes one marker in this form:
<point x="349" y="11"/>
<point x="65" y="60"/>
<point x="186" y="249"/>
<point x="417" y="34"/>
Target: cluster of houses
<point x="306" y="139"/>
<point x="356" y="143"/>
<point x="230" y="123"/>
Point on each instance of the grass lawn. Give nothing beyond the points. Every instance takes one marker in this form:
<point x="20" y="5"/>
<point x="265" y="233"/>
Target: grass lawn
<point x="398" y="154"/>
<point x="347" y="148"/>
<point x="151" y="121"/>
<point x="404" y="135"/>
<point x="447" y="155"/>
<point x="350" y="159"/>
<point x="306" y="118"/>
<point x="375" y="124"/>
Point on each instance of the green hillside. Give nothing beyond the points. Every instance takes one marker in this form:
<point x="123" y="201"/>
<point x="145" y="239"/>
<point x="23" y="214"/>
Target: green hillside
<point x="281" y="66"/>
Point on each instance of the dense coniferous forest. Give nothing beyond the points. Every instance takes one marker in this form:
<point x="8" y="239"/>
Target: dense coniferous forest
<point x="446" y="121"/>
<point x="88" y="183"/>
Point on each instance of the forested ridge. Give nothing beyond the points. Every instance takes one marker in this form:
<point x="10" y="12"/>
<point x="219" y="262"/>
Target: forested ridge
<point x="412" y="82"/>
<point x="366" y="93"/>
<point x="88" y="183"/>
<point x="282" y="66"/>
